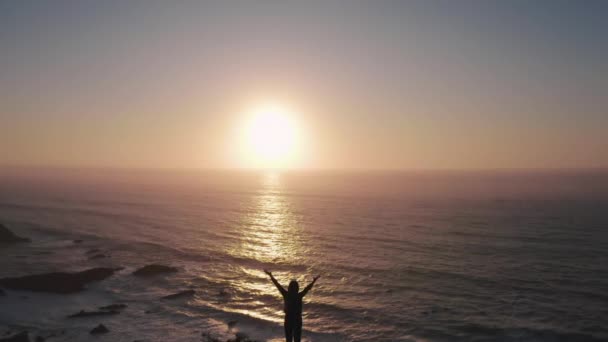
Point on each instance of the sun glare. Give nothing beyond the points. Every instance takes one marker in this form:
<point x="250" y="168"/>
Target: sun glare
<point x="271" y="137"/>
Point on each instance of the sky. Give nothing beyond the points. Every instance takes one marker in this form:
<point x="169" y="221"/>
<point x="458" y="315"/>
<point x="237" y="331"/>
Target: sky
<point x="370" y="84"/>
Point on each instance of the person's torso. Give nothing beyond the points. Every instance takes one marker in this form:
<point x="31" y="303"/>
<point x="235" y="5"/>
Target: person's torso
<point x="293" y="306"/>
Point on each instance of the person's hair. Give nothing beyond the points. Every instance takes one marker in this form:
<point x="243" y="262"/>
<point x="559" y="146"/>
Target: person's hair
<point x="293" y="287"/>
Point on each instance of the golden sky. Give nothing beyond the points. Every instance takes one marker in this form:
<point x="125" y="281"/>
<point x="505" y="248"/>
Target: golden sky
<point x="365" y="85"/>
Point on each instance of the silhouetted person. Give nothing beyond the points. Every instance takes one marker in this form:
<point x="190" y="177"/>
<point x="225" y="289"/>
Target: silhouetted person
<point x="293" y="307"/>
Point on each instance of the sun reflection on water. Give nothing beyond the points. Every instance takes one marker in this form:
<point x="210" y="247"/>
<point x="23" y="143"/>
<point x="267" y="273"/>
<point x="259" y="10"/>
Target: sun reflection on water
<point x="270" y="232"/>
<point x="268" y="236"/>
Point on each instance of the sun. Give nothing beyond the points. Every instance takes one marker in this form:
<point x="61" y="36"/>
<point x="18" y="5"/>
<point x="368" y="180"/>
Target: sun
<point x="271" y="137"/>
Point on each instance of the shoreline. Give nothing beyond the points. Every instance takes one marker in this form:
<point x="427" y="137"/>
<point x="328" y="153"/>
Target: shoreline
<point x="48" y="316"/>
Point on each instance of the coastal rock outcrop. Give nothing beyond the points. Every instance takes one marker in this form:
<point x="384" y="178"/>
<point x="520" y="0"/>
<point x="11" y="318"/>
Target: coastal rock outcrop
<point x="181" y="294"/>
<point x="241" y="337"/>
<point x="83" y="313"/>
<point x="6" y="236"/>
<point x="112" y="309"/>
<point x="20" y="337"/>
<point x="115" y="307"/>
<point x="154" y="269"/>
<point x="100" y="329"/>
<point x="57" y="282"/>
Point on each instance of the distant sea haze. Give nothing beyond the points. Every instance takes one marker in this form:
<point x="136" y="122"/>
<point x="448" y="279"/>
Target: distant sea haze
<point x="403" y="255"/>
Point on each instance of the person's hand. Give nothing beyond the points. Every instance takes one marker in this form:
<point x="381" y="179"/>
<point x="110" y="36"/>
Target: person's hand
<point x="268" y="272"/>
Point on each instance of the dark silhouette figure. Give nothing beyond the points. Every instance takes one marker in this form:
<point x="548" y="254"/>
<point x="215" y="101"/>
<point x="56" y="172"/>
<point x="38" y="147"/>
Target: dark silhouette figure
<point x="293" y="307"/>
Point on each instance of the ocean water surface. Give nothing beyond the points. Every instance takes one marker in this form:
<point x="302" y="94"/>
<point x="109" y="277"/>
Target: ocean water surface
<point x="403" y="256"/>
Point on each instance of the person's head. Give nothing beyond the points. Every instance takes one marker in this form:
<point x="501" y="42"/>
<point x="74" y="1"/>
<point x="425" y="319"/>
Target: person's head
<point x="293" y="287"/>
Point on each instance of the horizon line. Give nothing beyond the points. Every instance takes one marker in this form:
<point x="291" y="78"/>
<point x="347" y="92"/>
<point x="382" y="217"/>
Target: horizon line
<point x="296" y="169"/>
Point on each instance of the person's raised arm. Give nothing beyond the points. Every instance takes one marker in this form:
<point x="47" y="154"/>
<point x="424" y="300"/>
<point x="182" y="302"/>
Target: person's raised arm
<point x="276" y="283"/>
<point x="307" y="288"/>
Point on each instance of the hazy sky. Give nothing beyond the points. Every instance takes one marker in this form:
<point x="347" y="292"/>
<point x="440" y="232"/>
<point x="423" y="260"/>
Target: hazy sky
<point x="375" y="84"/>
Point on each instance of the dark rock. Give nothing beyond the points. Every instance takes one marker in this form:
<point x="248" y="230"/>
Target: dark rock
<point x="6" y="236"/>
<point x="206" y="337"/>
<point x="154" y="269"/>
<point x="100" y="329"/>
<point x="97" y="256"/>
<point x="232" y="324"/>
<point x="39" y="339"/>
<point x="83" y="313"/>
<point x="57" y="282"/>
<point x="181" y="294"/>
<point x="93" y="251"/>
<point x="241" y="337"/>
<point x="114" y="307"/>
<point x="2" y="293"/>
<point x="77" y="241"/>
<point x="20" y="337"/>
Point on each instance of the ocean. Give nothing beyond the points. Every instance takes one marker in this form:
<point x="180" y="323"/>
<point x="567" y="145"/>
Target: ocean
<point x="505" y="255"/>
